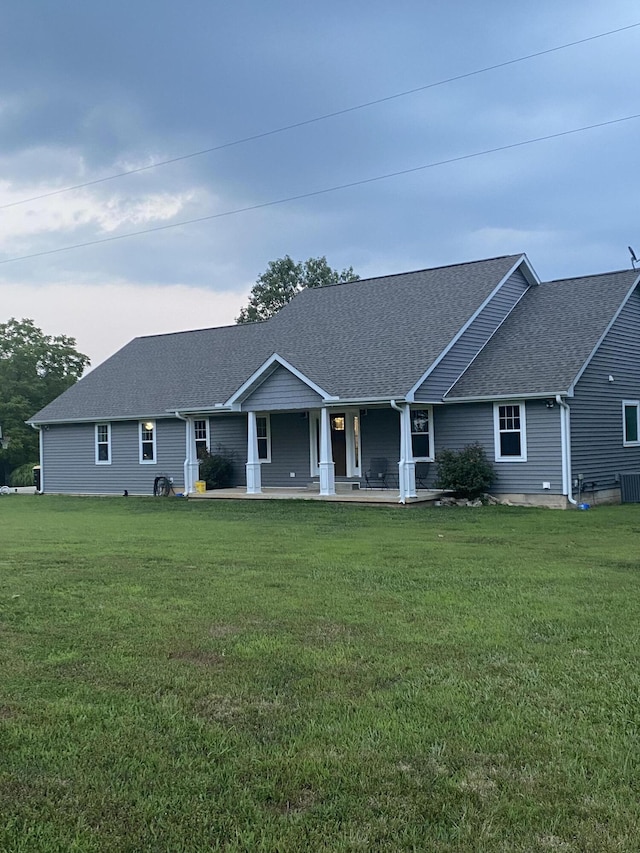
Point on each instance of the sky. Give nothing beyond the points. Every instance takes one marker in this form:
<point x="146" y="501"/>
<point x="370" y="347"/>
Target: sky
<point x="90" y="90"/>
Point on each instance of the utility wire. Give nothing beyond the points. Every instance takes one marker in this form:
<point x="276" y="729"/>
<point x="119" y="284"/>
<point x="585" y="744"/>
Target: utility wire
<point x="326" y="190"/>
<point x="324" y="117"/>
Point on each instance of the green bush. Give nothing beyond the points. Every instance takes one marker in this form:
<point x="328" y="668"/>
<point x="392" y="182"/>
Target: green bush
<point x="467" y="472"/>
<point x="216" y="469"/>
<point x="22" y="475"/>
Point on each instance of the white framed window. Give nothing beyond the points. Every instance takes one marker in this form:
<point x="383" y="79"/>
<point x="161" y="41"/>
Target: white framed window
<point x="631" y="423"/>
<point x="147" y="442"/>
<point x="103" y="444"/>
<point x="510" y="432"/>
<point x="201" y="435"/>
<point x="263" y="429"/>
<point x="422" y="434"/>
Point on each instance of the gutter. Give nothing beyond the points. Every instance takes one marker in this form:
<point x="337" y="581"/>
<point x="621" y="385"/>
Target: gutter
<point x="38" y="429"/>
<point x="401" y="465"/>
<point x="187" y="459"/>
<point x="565" y="441"/>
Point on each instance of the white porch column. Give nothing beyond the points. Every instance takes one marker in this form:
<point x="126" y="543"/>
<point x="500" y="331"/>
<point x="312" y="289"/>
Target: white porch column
<point x="326" y="464"/>
<point x="406" y="465"/>
<point x="191" y="467"/>
<point x="254" y="474"/>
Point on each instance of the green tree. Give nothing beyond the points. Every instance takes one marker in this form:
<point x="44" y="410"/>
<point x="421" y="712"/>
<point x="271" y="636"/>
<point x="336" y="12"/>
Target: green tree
<point x="284" y="278"/>
<point x="34" y="369"/>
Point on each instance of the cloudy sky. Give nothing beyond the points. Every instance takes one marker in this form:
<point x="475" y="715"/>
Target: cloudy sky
<point x="89" y="90"/>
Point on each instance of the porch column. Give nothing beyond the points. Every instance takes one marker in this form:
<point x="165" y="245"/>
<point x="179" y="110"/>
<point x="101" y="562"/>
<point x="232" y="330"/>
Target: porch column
<point x="406" y="465"/>
<point x="191" y="467"/>
<point x="254" y="474"/>
<point x="326" y="464"/>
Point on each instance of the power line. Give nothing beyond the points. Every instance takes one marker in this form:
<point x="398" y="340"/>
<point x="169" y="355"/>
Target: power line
<point x="323" y="117"/>
<point x="325" y="190"/>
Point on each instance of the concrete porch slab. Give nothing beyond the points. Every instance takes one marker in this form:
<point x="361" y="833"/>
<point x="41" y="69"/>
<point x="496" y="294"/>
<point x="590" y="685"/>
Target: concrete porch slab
<point x="388" y="497"/>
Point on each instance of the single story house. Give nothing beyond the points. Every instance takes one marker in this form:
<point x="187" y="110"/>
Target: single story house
<point x="349" y="377"/>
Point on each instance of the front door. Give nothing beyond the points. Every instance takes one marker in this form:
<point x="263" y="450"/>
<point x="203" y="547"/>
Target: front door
<point x="339" y="443"/>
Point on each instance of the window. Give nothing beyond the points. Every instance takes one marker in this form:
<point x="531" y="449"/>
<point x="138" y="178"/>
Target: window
<point x="263" y="428"/>
<point x="631" y="423"/>
<point x="421" y="439"/>
<point x="201" y="432"/>
<point x="147" y="442"/>
<point x="510" y="432"/>
<point x="103" y="444"/>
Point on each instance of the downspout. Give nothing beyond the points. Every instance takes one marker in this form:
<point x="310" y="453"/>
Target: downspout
<point x="187" y="460"/>
<point x="403" y="490"/>
<point x="565" y="441"/>
<point x="41" y="455"/>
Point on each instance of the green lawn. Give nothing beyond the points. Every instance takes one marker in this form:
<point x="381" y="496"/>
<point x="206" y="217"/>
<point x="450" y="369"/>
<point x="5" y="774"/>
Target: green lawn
<point x="194" y="676"/>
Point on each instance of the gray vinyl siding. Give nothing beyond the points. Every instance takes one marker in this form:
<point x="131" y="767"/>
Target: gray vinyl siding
<point x="289" y="447"/>
<point x="228" y="435"/>
<point x="281" y="390"/>
<point x="380" y="437"/>
<point x="290" y="451"/>
<point x="458" y="425"/>
<point x="69" y="459"/>
<point x="597" y="449"/>
<point x="456" y="361"/>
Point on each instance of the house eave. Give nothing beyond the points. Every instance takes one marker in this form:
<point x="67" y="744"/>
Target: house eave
<point x="37" y="422"/>
<point x="516" y="395"/>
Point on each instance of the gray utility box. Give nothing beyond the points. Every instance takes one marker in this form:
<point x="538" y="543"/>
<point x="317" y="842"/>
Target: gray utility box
<point x="630" y="487"/>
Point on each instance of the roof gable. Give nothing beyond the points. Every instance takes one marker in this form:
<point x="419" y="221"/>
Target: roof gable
<point x="548" y="339"/>
<point x="276" y="377"/>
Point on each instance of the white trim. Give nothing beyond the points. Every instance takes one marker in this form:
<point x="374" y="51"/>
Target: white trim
<point x="565" y="442"/>
<point x="354" y="443"/>
<point x="326" y="463"/>
<point x="636" y="405"/>
<point x="490" y="398"/>
<point x="522" y="431"/>
<point x="267" y="418"/>
<point x="531" y="277"/>
<point x="603" y="336"/>
<point x="417" y="407"/>
<point x="98" y="443"/>
<point x="262" y="374"/>
<point x="253" y="468"/>
<point x="207" y="438"/>
<point x="153" y="430"/>
<point x="350" y="414"/>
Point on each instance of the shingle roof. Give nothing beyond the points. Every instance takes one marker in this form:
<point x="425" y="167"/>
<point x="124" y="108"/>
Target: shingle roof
<point x="377" y="337"/>
<point x="547" y="338"/>
<point x="364" y="339"/>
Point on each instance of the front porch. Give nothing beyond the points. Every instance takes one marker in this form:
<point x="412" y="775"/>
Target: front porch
<point x="381" y="497"/>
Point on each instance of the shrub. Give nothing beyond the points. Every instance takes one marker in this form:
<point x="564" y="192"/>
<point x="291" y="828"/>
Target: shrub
<point x="22" y="475"/>
<point x="467" y="472"/>
<point x="216" y="469"/>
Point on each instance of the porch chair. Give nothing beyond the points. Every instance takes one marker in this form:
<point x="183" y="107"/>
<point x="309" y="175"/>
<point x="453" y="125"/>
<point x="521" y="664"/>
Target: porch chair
<point x="376" y="476"/>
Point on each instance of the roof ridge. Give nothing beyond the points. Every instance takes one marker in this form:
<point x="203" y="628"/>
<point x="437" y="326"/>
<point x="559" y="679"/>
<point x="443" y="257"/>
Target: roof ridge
<point x="204" y="329"/>
<point x="590" y="275"/>
<point x="413" y="272"/>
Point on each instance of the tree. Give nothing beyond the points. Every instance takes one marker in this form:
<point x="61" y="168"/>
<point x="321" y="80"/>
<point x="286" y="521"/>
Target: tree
<point x="34" y="369"/>
<point x="284" y="278"/>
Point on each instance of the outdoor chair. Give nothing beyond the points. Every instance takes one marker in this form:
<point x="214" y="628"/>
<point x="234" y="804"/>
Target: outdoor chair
<point x="376" y="476"/>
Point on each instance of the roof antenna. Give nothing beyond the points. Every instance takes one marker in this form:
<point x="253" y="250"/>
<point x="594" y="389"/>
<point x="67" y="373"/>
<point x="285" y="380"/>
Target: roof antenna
<point x="634" y="260"/>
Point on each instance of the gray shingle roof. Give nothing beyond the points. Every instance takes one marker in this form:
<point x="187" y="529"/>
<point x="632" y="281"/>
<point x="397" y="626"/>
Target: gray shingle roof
<point x="376" y="337"/>
<point x="364" y="339"/>
<point x="547" y="338"/>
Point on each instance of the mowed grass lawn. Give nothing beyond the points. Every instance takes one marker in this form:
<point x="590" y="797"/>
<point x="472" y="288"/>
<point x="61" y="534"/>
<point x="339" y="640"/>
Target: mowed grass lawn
<point x="284" y="676"/>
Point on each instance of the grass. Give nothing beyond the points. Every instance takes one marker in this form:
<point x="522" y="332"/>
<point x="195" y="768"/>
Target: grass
<point x="241" y="676"/>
